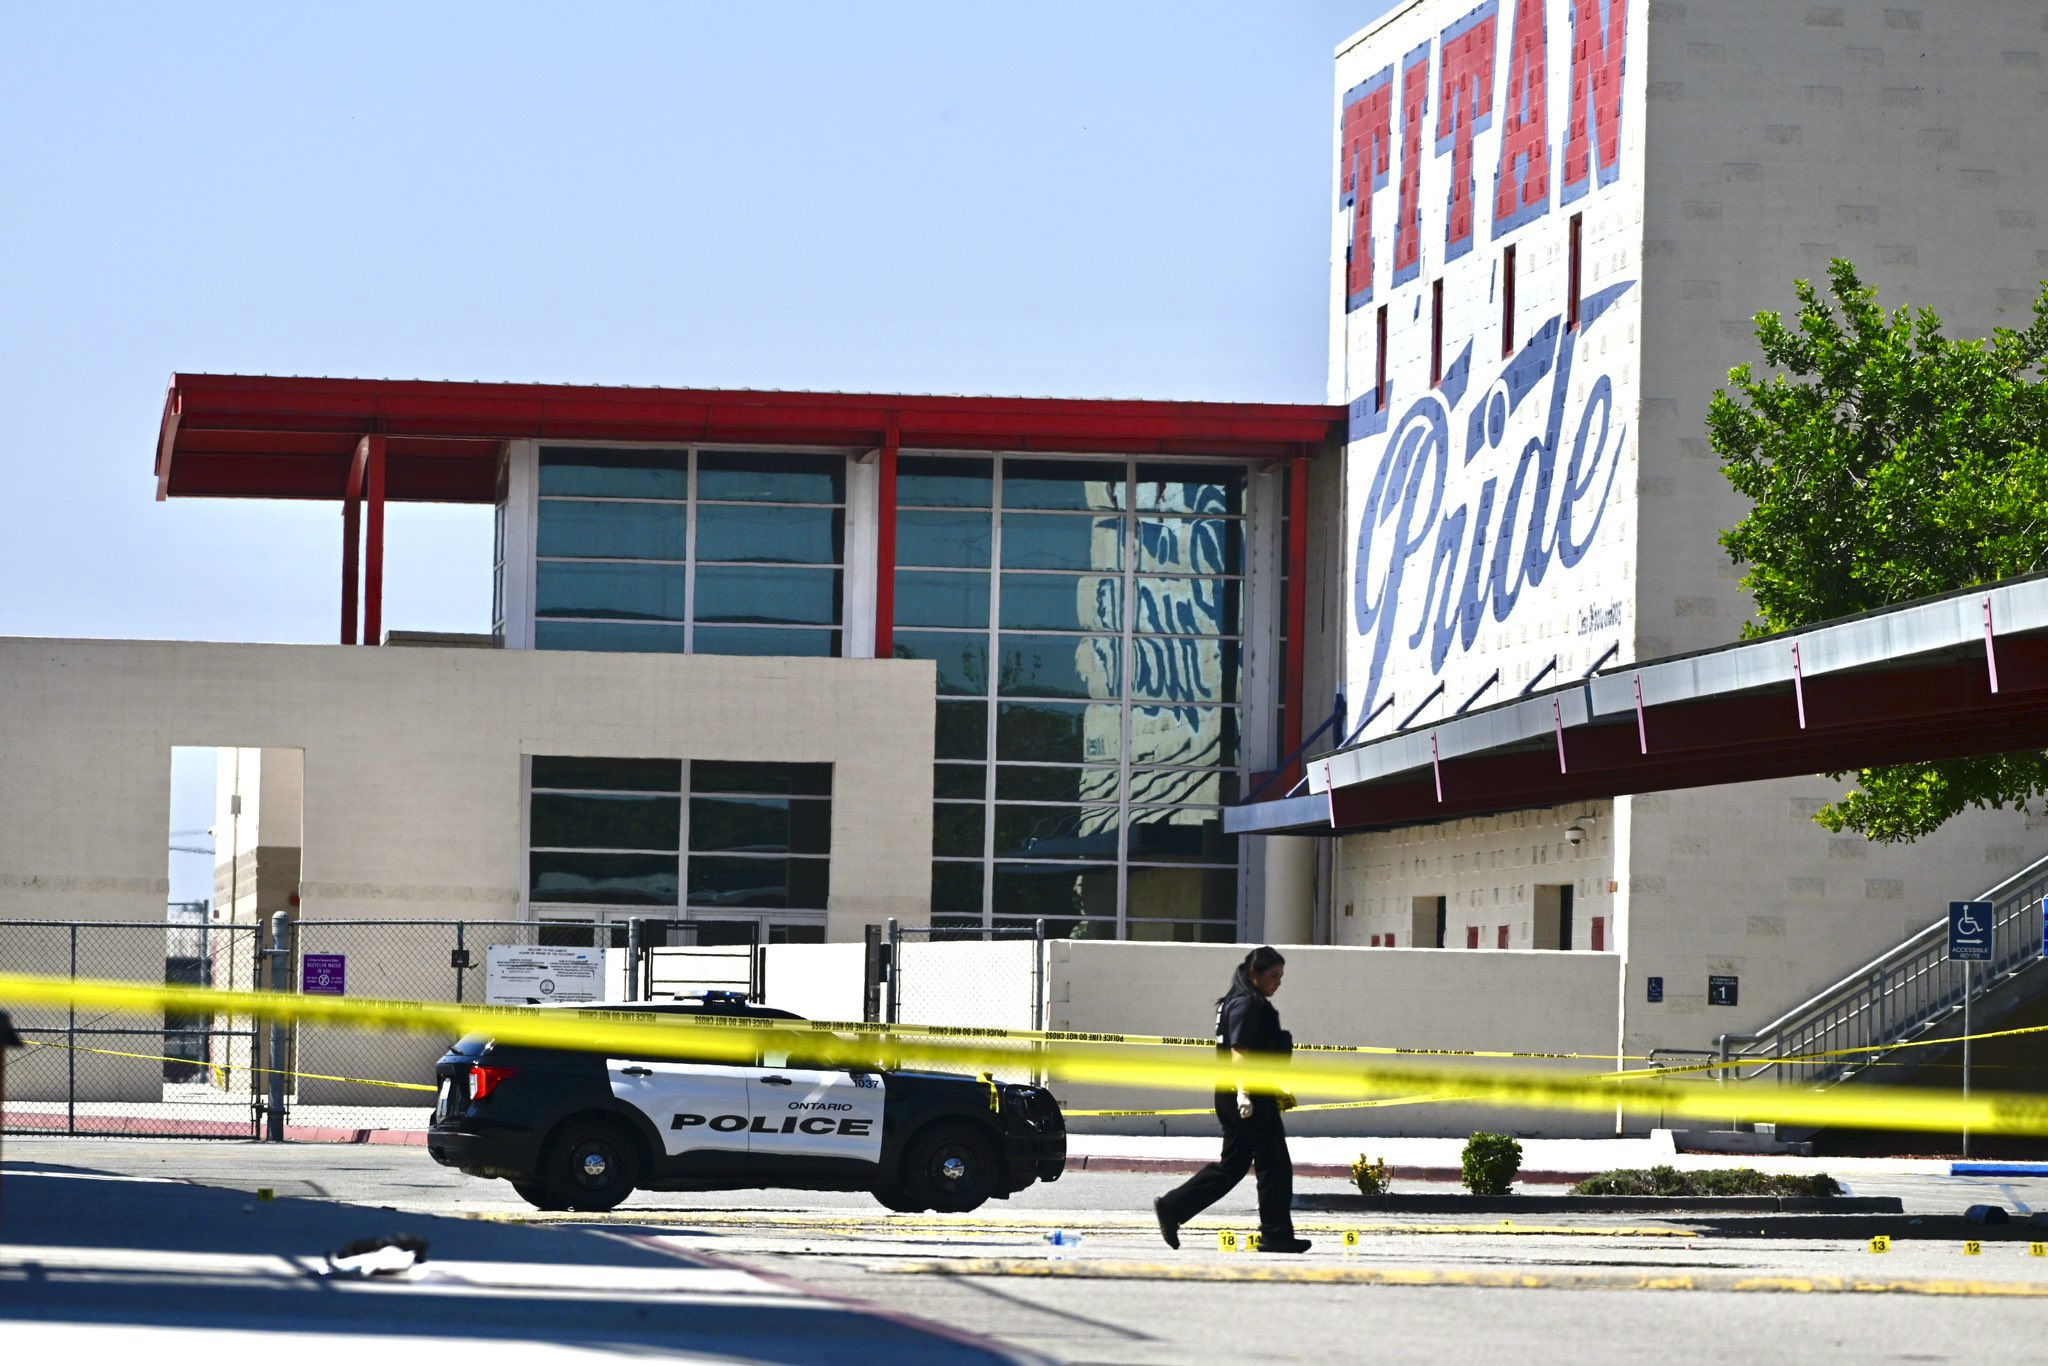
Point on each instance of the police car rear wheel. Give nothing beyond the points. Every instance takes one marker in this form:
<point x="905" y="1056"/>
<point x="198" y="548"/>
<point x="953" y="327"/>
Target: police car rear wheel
<point x="540" y="1197"/>
<point x="952" y="1169"/>
<point x="901" y="1200"/>
<point x="592" y="1165"/>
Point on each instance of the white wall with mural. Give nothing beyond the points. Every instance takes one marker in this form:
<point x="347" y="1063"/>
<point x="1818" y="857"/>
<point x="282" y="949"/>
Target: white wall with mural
<point x="1491" y="468"/>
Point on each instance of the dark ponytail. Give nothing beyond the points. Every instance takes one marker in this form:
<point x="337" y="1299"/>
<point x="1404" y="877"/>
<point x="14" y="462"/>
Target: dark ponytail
<point x="1258" y="960"/>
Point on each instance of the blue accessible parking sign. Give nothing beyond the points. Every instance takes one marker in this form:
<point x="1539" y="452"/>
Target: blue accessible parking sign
<point x="1969" y="931"/>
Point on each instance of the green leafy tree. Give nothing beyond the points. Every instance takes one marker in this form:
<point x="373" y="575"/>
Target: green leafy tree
<point x="1887" y="462"/>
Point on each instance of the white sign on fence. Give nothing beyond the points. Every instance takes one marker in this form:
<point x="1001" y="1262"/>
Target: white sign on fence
<point x="529" y="974"/>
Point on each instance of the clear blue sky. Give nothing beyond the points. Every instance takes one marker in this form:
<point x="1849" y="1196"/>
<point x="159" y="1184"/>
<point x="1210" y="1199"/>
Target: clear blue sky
<point x="1089" y="200"/>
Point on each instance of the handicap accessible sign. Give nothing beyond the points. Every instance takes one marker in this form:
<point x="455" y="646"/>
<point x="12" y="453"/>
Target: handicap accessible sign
<point x="1969" y="931"/>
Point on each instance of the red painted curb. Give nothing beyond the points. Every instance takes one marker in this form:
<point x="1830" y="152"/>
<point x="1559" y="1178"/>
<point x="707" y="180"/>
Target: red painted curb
<point x="1450" y="1175"/>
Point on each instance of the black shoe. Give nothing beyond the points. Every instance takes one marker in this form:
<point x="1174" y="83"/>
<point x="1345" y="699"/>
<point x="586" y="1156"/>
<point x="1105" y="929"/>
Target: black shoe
<point x="1288" y="1244"/>
<point x="1168" y="1229"/>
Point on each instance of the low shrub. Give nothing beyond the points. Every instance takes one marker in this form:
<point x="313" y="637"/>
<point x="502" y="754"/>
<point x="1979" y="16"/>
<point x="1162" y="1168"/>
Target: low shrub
<point x="1490" y="1163"/>
<point x="1370" y="1175"/>
<point x="1719" y="1181"/>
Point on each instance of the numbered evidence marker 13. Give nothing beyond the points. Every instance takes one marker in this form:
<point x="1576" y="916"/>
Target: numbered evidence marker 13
<point x="1881" y="1243"/>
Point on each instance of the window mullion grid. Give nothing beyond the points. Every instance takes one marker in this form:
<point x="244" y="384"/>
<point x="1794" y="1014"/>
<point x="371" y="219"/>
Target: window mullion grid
<point x="690" y="580"/>
<point x="683" y="807"/>
<point x="1129" y="648"/>
<point x="995" y="625"/>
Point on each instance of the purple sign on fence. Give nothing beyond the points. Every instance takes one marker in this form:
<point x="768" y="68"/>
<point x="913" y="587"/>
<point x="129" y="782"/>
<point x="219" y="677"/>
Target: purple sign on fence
<point x="324" y="974"/>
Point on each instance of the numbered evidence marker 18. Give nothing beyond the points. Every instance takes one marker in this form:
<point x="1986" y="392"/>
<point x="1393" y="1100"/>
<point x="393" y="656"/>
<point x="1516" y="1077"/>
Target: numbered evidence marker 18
<point x="1881" y="1243"/>
<point x="1226" y="1241"/>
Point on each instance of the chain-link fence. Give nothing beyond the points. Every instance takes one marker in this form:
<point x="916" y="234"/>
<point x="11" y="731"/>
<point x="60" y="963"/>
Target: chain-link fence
<point x="98" y="1073"/>
<point x="981" y="977"/>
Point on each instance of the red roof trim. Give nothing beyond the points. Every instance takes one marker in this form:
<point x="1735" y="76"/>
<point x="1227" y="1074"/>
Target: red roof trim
<point x="226" y="436"/>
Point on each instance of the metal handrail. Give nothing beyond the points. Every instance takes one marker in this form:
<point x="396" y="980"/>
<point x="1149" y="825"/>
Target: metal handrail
<point x="1897" y="995"/>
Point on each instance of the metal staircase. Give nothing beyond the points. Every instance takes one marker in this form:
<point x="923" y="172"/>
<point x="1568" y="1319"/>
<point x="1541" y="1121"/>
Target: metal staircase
<point x="1909" y="994"/>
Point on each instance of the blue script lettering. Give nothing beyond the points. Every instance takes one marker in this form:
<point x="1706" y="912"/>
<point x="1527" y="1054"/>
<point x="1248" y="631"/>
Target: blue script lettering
<point x="1509" y="541"/>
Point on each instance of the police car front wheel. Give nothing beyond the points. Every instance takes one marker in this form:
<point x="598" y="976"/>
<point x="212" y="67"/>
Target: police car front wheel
<point x="592" y="1165"/>
<point x="951" y="1168"/>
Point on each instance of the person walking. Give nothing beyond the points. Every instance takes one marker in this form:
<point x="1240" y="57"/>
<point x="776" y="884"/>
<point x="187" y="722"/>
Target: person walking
<point x="1247" y="1030"/>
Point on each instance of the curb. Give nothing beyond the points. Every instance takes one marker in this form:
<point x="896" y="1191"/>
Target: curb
<point x="1601" y="1204"/>
<point x="1319" y="1170"/>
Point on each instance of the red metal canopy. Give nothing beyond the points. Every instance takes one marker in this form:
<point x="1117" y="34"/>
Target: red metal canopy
<point x="257" y="436"/>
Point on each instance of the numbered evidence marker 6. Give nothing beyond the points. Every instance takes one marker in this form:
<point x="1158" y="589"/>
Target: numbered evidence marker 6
<point x="1350" y="1239"/>
<point x="1881" y="1243"/>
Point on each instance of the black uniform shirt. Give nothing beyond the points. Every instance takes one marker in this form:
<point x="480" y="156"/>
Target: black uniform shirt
<point x="1247" y="1021"/>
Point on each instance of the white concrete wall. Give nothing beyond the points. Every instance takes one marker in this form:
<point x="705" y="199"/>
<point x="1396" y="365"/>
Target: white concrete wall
<point x="816" y="981"/>
<point x="1907" y="139"/>
<point x="412" y="769"/>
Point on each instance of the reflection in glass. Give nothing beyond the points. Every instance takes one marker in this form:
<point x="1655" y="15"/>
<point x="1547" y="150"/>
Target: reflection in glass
<point x="781" y="780"/>
<point x="767" y="641"/>
<point x="1056" y="832"/>
<point x="614" y="472"/>
<point x="612" y="637"/>
<point x="1184" y="735"/>
<point x="1190" y="607"/>
<point x="772" y="535"/>
<point x="944" y="482"/>
<point x="962" y="659"/>
<point x="1059" y="732"/>
<point x="956" y="890"/>
<point x="1078" y="892"/>
<point x="1163" y="487"/>
<point x="1033" y="783"/>
<point x="962" y="731"/>
<point x="608" y="775"/>
<point x="943" y="540"/>
<point x="608" y="821"/>
<point x="933" y="599"/>
<point x="1062" y="602"/>
<point x="768" y="477"/>
<point x="1182" y="894"/>
<point x="1059" y="666"/>
<point x="597" y="589"/>
<point x="1190" y="545"/>
<point x="572" y="529"/>
<point x="957" y="829"/>
<point x="1189" y="834"/>
<point x="1047" y="540"/>
<point x="1198" y="786"/>
<point x="730" y="880"/>
<point x="603" y="879"/>
<point x="793" y="596"/>
<point x="1167" y="669"/>
<point x="760" y="825"/>
<point x="967" y="781"/>
<point x="1078" y="485"/>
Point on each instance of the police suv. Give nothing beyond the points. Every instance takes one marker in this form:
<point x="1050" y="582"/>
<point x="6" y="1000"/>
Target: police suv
<point x="582" y="1131"/>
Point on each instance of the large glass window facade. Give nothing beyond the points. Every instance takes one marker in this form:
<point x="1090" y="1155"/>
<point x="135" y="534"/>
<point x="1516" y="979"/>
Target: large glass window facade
<point x="690" y="551"/>
<point x="715" y="841"/>
<point x="1086" y="619"/>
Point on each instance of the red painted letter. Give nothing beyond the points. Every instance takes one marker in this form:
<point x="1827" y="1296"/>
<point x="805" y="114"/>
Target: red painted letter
<point x="1596" y="93"/>
<point x="1465" y="102"/>
<point x="1408" y="207"/>
<point x="1521" y="187"/>
<point x="1368" y="150"/>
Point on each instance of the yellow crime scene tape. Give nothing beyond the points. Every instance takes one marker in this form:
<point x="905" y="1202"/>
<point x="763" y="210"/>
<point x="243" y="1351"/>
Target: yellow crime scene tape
<point x="219" y="1067"/>
<point x="1331" y="1075"/>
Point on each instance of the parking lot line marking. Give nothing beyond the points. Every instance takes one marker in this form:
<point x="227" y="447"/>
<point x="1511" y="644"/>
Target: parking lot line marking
<point x="1503" y="1280"/>
<point x="924" y="1224"/>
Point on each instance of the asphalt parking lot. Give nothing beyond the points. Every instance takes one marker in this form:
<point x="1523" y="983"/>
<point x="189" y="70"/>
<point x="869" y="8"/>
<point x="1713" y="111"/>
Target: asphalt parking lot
<point x="121" y="1243"/>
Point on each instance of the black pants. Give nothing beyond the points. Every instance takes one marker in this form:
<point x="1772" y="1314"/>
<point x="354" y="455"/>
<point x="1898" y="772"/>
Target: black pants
<point x="1260" y="1140"/>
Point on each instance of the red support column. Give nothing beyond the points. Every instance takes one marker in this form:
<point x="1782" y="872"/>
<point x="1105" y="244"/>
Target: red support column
<point x="351" y="570"/>
<point x="373" y="549"/>
<point x="1296" y="608"/>
<point x="885" y="546"/>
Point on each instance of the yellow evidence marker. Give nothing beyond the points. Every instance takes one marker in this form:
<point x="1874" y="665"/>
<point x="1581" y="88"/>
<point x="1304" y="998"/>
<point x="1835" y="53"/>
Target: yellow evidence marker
<point x="1973" y="1248"/>
<point x="1226" y="1241"/>
<point x="1251" y="1242"/>
<point x="1351" y="1239"/>
<point x="2037" y="1249"/>
<point x="1881" y="1243"/>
